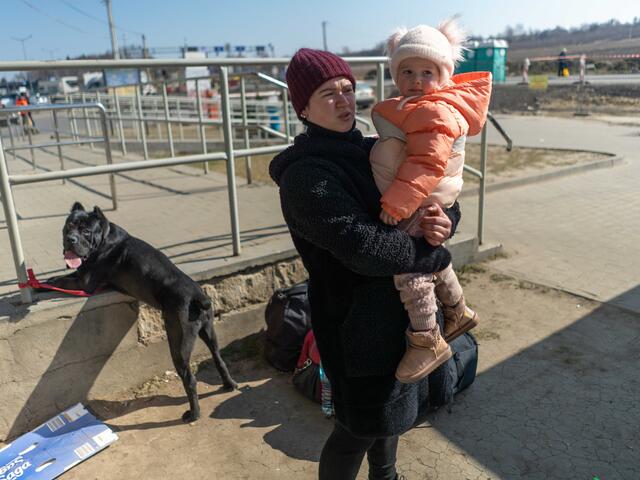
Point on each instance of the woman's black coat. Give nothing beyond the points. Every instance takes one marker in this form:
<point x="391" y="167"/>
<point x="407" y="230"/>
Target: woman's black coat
<point x="331" y="205"/>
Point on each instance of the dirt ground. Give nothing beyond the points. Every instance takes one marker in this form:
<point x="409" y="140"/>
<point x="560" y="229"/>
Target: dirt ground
<point x="553" y="399"/>
<point x="502" y="165"/>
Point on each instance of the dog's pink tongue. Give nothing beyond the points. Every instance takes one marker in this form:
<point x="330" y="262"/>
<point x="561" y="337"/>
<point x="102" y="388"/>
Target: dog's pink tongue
<point x="72" y="260"/>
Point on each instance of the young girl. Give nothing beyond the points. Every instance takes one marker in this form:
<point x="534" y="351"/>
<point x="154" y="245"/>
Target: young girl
<point x="417" y="162"/>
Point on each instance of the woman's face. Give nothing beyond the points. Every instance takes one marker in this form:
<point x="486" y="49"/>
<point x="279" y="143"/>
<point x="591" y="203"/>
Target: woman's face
<point x="332" y="105"/>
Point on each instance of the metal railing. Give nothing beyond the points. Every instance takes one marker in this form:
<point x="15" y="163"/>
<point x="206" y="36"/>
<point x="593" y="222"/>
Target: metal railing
<point x="228" y="155"/>
<point x="482" y="173"/>
<point x="59" y="143"/>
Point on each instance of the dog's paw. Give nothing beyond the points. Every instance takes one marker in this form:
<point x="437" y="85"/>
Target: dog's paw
<point x="188" y="417"/>
<point x="230" y="385"/>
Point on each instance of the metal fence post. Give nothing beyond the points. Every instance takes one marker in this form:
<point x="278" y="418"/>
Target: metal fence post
<point x="228" y="146"/>
<point x="74" y="125"/>
<point x="245" y="126"/>
<point x="87" y="124"/>
<point x="143" y="132"/>
<point x="481" y="190"/>
<point x="179" y="113"/>
<point x="116" y="100"/>
<point x="285" y="113"/>
<point x="156" y="116"/>
<point x="165" y="100"/>
<point x="107" y="149"/>
<point x="56" y="128"/>
<point x="99" y="100"/>
<point x="380" y="81"/>
<point x="12" y="227"/>
<point x="13" y="143"/>
<point x="31" y="150"/>
<point x="203" y="138"/>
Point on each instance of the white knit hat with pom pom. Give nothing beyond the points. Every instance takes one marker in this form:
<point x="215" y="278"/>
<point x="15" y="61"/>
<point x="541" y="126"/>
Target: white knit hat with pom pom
<point x="442" y="45"/>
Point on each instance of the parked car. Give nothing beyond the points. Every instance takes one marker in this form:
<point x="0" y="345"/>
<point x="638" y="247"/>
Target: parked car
<point x="8" y="101"/>
<point x="365" y="95"/>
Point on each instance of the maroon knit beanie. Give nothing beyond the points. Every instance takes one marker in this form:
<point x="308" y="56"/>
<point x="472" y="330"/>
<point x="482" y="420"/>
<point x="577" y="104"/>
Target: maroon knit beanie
<point x="308" y="70"/>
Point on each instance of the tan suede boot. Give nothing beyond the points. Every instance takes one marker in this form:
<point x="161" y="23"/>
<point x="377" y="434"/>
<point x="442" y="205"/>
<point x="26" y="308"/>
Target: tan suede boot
<point x="426" y="351"/>
<point x="458" y="319"/>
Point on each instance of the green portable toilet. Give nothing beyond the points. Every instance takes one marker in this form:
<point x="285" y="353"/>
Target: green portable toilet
<point x="468" y="63"/>
<point x="491" y="56"/>
<point x="487" y="56"/>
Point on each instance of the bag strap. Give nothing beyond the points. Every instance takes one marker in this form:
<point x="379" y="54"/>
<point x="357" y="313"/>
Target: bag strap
<point x="459" y="367"/>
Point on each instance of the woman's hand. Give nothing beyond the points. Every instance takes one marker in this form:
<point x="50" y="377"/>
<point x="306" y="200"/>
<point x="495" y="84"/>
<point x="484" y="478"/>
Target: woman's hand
<point x="436" y="226"/>
<point x="388" y="219"/>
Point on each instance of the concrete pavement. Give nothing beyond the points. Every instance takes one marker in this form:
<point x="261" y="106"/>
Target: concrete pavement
<point x="578" y="233"/>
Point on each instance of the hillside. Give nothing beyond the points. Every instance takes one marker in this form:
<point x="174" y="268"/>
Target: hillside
<point x="594" y="39"/>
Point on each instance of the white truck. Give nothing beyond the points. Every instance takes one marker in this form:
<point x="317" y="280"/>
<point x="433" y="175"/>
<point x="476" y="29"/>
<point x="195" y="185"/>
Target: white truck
<point x="59" y="86"/>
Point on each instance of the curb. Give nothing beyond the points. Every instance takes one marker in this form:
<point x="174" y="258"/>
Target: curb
<point x="541" y="177"/>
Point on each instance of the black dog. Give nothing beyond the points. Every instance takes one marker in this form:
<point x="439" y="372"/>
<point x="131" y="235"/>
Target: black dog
<point x="103" y="254"/>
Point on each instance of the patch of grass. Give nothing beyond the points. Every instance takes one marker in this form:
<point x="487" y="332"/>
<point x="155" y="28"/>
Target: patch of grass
<point x="499" y="277"/>
<point x="500" y="255"/>
<point x="504" y="164"/>
<point x="485" y="335"/>
<point x="471" y="268"/>
<point x="259" y="168"/>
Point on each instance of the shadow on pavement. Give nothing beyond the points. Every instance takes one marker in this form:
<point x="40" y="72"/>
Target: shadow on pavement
<point x="565" y="407"/>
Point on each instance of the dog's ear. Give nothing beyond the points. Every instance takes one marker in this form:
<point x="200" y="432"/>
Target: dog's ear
<point x="77" y="206"/>
<point x="104" y="223"/>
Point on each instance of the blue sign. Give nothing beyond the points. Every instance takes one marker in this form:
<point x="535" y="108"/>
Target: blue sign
<point x="121" y="76"/>
<point x="240" y="48"/>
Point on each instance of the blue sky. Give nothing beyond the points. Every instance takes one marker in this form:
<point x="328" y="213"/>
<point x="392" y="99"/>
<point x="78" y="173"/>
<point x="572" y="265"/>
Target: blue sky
<point x="59" y="30"/>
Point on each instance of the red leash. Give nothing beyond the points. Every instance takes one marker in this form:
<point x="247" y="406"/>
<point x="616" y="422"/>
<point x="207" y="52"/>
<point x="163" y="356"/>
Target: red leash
<point x="33" y="282"/>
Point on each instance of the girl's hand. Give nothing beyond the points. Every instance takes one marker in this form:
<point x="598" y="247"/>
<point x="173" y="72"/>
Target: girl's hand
<point x="436" y="226"/>
<point x="388" y="219"/>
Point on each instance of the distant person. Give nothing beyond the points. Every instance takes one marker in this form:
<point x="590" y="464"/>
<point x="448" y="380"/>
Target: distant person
<point x="562" y="63"/>
<point x="27" y="118"/>
<point x="417" y="165"/>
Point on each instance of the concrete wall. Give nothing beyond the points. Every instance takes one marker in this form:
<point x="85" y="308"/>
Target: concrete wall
<point x="64" y="351"/>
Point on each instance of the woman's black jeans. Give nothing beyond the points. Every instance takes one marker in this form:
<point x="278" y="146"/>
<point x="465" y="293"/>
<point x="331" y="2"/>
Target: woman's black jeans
<point x="343" y="453"/>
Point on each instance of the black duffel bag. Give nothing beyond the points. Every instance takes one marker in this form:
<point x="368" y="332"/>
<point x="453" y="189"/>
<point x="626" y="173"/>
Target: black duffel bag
<point x="288" y="321"/>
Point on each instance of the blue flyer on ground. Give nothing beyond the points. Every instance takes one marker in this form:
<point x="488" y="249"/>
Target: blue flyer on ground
<point x="55" y="446"/>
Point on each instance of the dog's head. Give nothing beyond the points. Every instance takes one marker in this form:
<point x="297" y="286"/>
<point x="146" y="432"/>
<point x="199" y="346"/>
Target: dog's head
<point x="83" y="234"/>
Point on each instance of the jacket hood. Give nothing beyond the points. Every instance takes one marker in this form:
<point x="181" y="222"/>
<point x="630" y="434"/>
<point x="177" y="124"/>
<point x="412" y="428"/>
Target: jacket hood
<point x="470" y="94"/>
<point x="318" y="142"/>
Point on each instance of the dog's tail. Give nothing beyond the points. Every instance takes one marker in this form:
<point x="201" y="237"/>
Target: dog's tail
<point x="202" y="301"/>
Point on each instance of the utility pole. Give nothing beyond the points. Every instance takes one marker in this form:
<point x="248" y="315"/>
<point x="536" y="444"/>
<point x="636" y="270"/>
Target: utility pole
<point x="145" y="54"/>
<point x="23" y="40"/>
<point x="324" y="34"/>
<point x="112" y="30"/>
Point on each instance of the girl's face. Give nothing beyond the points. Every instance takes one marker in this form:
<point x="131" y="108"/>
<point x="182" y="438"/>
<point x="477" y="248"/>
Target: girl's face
<point x="417" y="76"/>
<point x="332" y="105"/>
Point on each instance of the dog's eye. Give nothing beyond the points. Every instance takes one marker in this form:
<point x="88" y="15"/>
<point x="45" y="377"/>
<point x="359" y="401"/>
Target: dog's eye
<point x="86" y="233"/>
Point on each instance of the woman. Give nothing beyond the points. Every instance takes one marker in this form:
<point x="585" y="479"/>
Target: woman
<point x="332" y="205"/>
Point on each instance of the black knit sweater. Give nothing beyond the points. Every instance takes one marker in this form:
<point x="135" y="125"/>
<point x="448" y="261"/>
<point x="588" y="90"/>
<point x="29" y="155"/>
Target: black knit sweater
<point x="331" y="205"/>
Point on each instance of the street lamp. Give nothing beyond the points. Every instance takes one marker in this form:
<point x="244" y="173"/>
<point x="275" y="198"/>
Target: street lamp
<point x="22" y="40"/>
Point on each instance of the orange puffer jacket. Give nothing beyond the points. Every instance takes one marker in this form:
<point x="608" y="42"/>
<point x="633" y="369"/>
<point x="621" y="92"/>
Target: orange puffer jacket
<point x="422" y="163"/>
